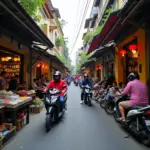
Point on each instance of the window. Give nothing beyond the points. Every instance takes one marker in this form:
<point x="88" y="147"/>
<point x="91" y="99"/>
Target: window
<point x="115" y="6"/>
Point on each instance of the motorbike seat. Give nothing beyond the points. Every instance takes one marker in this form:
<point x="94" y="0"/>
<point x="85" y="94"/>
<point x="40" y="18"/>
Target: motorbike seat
<point x="135" y="107"/>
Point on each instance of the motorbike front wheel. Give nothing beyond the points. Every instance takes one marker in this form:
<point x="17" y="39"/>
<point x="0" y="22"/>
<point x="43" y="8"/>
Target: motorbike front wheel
<point x="49" y="121"/>
<point x="89" y="100"/>
<point x="102" y="103"/>
<point x="109" y="107"/>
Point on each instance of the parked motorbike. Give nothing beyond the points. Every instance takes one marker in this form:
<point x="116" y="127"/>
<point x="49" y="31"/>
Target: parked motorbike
<point x="109" y="106"/>
<point x="87" y="95"/>
<point x="102" y="99"/>
<point x="55" y="108"/>
<point x="137" y="121"/>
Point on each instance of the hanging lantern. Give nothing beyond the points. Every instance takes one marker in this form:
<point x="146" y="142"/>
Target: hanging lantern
<point x="43" y="66"/>
<point x="18" y="58"/>
<point x="38" y="65"/>
<point x="133" y="48"/>
<point x="100" y="66"/>
<point x="15" y="59"/>
<point x="7" y="59"/>
<point x="2" y="59"/>
<point x="123" y="52"/>
<point x="97" y="67"/>
<point x="46" y="67"/>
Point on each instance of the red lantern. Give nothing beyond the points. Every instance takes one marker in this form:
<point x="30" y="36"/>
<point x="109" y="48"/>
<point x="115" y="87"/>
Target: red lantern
<point x="133" y="48"/>
<point x="123" y="52"/>
<point x="97" y="67"/>
<point x="38" y="65"/>
<point x="100" y="66"/>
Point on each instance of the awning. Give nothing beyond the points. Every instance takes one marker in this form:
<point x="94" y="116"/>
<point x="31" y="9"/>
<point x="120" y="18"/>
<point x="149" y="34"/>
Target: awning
<point x="88" y="64"/>
<point x="101" y="51"/>
<point x="16" y="22"/>
<point x="96" y="42"/>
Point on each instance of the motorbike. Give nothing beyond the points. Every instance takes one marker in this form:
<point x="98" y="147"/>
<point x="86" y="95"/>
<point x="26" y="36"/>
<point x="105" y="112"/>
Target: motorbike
<point x="87" y="95"/>
<point x="137" y="121"/>
<point x="76" y="82"/>
<point x="110" y="104"/>
<point x="54" y="106"/>
<point x="68" y="83"/>
<point x="102" y="99"/>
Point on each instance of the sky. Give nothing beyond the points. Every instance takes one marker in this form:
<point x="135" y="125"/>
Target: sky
<point x="71" y="11"/>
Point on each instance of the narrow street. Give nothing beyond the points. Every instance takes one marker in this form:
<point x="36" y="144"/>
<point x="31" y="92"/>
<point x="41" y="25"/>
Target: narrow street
<point x="83" y="128"/>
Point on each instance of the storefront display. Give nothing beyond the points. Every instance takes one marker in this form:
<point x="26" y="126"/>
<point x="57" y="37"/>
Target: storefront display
<point x="10" y="62"/>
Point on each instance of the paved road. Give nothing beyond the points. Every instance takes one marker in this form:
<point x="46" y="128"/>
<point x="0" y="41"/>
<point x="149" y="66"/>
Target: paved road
<point x="83" y="128"/>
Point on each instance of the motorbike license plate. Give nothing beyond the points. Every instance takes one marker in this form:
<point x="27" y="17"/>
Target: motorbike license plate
<point x="147" y="122"/>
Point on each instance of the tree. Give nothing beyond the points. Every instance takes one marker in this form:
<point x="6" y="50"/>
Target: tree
<point x="83" y="57"/>
<point x="59" y="42"/>
<point x="31" y="6"/>
<point x="62" y="23"/>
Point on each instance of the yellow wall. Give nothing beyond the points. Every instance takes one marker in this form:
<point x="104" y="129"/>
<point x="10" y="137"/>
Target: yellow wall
<point x="120" y="3"/>
<point x="140" y="34"/>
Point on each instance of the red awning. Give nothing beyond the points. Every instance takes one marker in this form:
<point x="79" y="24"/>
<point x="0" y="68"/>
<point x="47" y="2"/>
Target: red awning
<point x="113" y="18"/>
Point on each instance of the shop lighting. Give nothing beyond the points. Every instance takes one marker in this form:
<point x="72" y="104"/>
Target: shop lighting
<point x="133" y="48"/>
<point x="123" y="52"/>
<point x="38" y="65"/>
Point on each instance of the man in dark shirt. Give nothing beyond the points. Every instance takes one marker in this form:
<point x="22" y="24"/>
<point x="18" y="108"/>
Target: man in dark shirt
<point x="85" y="82"/>
<point x="13" y="83"/>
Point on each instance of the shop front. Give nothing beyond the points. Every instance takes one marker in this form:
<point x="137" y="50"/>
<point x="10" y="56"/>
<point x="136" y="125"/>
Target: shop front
<point x="98" y="69"/>
<point x="10" y="62"/>
<point x="13" y="58"/>
<point x="130" y="57"/>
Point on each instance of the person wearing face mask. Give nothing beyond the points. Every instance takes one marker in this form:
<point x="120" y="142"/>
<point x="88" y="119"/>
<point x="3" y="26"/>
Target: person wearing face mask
<point x="85" y="82"/>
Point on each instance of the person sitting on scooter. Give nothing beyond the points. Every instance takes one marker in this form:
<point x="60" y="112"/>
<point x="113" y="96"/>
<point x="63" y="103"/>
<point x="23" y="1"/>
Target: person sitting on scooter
<point x="85" y="82"/>
<point x="112" y="92"/>
<point x="57" y="83"/>
<point x="137" y="91"/>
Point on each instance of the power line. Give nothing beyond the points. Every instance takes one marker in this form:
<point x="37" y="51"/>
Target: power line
<point x="82" y="22"/>
<point x="79" y="2"/>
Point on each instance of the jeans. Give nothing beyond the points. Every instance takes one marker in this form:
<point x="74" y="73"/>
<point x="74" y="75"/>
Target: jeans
<point x="110" y="96"/>
<point x="82" y="94"/>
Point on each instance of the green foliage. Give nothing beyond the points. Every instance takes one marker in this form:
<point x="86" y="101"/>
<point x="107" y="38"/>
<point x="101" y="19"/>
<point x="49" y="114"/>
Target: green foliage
<point x="82" y="59"/>
<point x="31" y="6"/>
<point x="43" y="26"/>
<point x="98" y="30"/>
<point x="88" y="37"/>
<point x="65" y="57"/>
<point x="62" y="23"/>
<point x="59" y="42"/>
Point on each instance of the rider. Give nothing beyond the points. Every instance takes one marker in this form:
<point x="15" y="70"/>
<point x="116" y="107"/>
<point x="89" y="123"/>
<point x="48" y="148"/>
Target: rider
<point x="137" y="91"/>
<point x="85" y="82"/>
<point x="57" y="83"/>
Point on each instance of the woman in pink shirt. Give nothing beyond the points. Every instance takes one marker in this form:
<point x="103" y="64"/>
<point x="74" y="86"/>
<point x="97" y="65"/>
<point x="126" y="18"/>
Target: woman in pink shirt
<point x="137" y="91"/>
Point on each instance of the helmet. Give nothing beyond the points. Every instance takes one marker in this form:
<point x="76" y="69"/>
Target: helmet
<point x="86" y="76"/>
<point x="57" y="76"/>
<point x="132" y="76"/>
